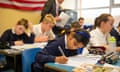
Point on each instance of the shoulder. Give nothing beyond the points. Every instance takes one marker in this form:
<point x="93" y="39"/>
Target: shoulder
<point x="8" y="31"/>
<point x="37" y="26"/>
<point x="93" y="32"/>
<point x="57" y="42"/>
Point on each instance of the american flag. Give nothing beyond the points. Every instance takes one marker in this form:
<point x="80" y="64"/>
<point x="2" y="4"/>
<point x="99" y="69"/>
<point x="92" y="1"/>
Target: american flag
<point x="29" y="5"/>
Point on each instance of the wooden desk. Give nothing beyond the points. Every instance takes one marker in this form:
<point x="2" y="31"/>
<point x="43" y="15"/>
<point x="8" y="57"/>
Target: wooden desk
<point x="52" y="67"/>
<point x="16" y="56"/>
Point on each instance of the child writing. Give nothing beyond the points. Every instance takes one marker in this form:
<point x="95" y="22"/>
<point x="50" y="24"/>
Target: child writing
<point x="43" y="31"/>
<point x="67" y="44"/>
<point x="17" y="35"/>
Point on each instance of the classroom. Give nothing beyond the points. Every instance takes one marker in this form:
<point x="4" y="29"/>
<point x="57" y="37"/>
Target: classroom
<point x="59" y="35"/>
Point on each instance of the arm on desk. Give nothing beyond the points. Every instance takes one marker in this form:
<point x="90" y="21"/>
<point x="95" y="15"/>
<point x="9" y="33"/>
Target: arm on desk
<point x="43" y="57"/>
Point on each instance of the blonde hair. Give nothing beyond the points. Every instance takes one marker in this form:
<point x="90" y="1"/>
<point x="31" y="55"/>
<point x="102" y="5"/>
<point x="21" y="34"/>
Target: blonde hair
<point x="49" y="19"/>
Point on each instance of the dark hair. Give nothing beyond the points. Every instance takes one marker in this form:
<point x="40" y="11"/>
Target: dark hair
<point x="102" y="17"/>
<point x="75" y="25"/>
<point x="96" y="22"/>
<point x="82" y="36"/>
<point x="23" y="22"/>
<point x="67" y="28"/>
<point x="81" y="18"/>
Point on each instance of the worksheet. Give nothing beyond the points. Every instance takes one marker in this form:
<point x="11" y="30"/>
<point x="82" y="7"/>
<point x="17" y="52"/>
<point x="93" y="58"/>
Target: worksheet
<point x="78" y="60"/>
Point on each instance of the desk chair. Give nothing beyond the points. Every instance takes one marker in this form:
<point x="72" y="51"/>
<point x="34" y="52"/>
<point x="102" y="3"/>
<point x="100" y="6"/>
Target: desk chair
<point x="28" y="57"/>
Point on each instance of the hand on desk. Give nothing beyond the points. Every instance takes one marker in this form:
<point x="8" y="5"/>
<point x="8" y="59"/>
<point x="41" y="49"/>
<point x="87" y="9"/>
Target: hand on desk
<point x="61" y="59"/>
<point x="17" y="43"/>
<point x="41" y="39"/>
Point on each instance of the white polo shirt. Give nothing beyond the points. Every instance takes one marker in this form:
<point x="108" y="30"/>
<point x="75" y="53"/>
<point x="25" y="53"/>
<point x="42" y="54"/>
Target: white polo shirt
<point x="98" y="38"/>
<point x="37" y="31"/>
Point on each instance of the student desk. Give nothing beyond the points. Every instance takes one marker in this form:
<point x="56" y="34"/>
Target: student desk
<point x="63" y="68"/>
<point x="58" y="68"/>
<point x="15" y="56"/>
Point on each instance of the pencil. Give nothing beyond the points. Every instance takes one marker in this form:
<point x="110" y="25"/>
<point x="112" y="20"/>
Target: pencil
<point x="61" y="51"/>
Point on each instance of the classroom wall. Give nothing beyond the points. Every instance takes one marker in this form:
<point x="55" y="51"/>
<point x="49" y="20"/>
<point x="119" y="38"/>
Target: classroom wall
<point x="9" y="17"/>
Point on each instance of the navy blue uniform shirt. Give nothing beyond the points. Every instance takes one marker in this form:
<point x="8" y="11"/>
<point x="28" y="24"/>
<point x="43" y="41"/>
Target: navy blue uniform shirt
<point x="49" y="53"/>
<point x="10" y="36"/>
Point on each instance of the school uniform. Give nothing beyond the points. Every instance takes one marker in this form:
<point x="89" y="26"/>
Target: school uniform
<point x="98" y="38"/>
<point x="49" y="53"/>
<point x="114" y="32"/>
<point x="38" y="32"/>
<point x="10" y="36"/>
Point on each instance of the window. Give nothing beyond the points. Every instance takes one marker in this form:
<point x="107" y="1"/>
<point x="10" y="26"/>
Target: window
<point x="94" y="3"/>
<point x="69" y="4"/>
<point x="91" y="14"/>
<point x="116" y="1"/>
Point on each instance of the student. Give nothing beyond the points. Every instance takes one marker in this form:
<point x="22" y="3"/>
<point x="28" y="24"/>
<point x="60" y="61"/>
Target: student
<point x="53" y="7"/>
<point x="81" y="21"/>
<point x="43" y="31"/>
<point x="101" y="34"/>
<point x="74" y="26"/>
<point x="116" y="33"/>
<point x="68" y="44"/>
<point x="17" y="35"/>
<point x="82" y="26"/>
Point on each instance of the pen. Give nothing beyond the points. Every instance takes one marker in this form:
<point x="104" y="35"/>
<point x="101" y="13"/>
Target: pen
<point x="61" y="51"/>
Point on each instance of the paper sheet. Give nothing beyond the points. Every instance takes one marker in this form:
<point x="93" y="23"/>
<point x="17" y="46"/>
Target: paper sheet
<point x="64" y="19"/>
<point x="76" y="61"/>
<point x="28" y="46"/>
<point x="109" y="65"/>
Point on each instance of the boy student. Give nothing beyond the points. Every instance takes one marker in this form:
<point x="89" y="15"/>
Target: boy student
<point x="43" y="31"/>
<point x="17" y="35"/>
<point x="61" y="48"/>
<point x="74" y="26"/>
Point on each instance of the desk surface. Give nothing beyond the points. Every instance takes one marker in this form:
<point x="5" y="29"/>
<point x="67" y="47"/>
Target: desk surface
<point x="64" y="68"/>
<point x="59" y="67"/>
<point x="10" y="52"/>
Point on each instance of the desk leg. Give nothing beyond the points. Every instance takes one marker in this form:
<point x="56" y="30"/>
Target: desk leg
<point x="18" y="63"/>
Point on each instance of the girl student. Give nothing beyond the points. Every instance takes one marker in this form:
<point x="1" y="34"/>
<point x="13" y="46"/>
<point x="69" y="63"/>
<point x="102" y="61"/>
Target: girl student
<point x="17" y="35"/>
<point x="61" y="48"/>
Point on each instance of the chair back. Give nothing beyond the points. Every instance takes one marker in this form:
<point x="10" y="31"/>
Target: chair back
<point x="28" y="57"/>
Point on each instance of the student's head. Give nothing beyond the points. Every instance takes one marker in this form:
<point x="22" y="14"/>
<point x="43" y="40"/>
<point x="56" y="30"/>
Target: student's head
<point x="21" y="26"/>
<point x="77" y="39"/>
<point x="75" y="26"/>
<point x="81" y="21"/>
<point x="48" y="22"/>
<point x="60" y="1"/>
<point x="72" y="27"/>
<point x="105" y="22"/>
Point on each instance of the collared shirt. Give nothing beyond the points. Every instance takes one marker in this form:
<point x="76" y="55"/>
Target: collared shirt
<point x="57" y="7"/>
<point x="66" y="42"/>
<point x="13" y="31"/>
<point x="98" y="38"/>
<point x="38" y="32"/>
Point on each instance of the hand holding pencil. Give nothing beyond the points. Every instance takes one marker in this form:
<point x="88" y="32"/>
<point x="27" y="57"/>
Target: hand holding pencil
<point x="61" y="59"/>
